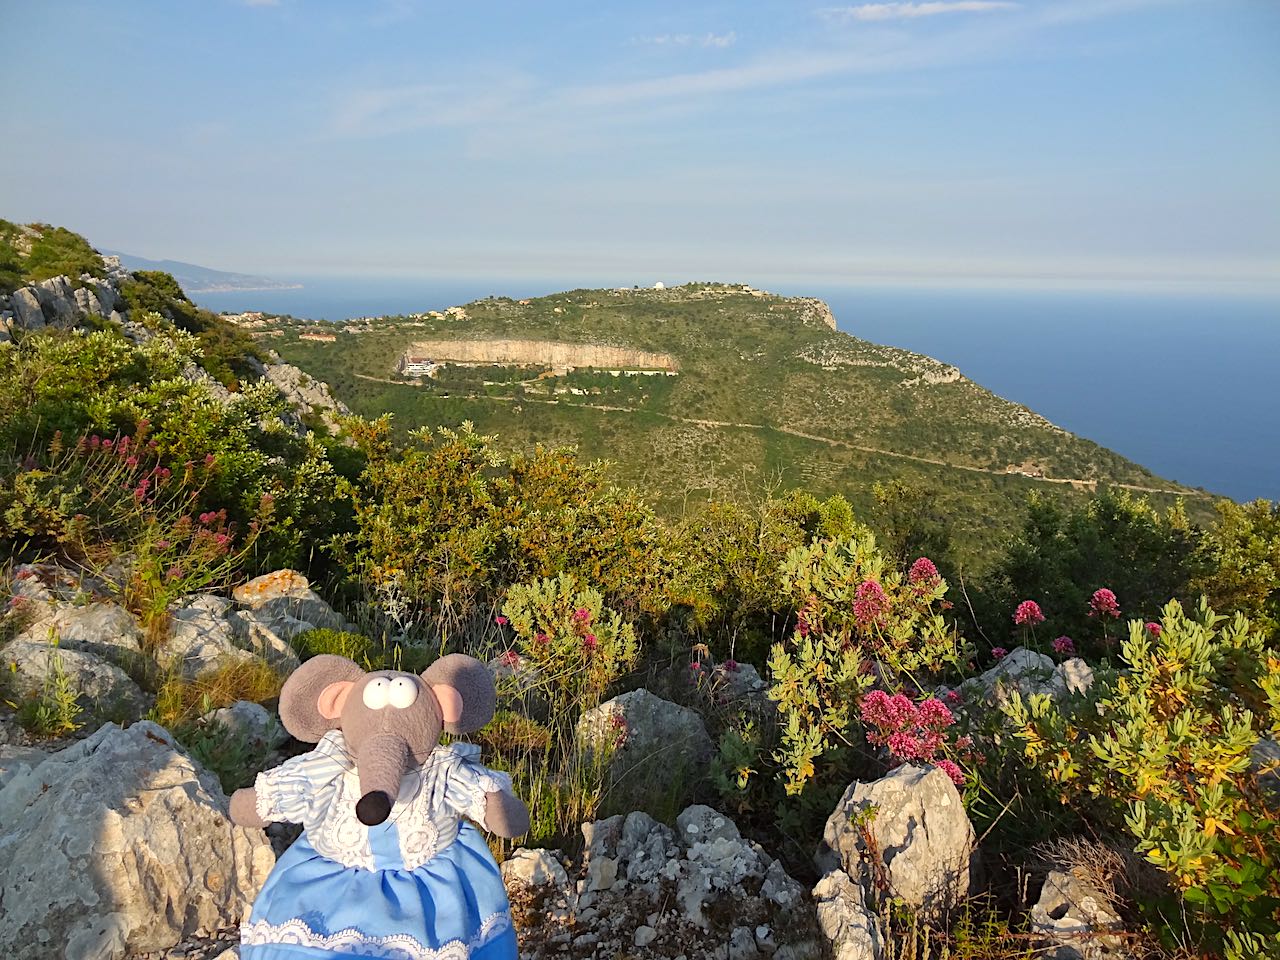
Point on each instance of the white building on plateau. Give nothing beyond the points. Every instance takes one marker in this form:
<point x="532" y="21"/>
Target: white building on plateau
<point x="659" y="285"/>
<point x="418" y="366"/>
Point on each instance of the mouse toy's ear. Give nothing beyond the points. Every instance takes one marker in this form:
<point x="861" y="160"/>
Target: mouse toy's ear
<point x="464" y="688"/>
<point x="312" y="699"/>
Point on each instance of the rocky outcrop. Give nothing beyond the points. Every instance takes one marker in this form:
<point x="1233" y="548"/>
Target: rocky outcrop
<point x="649" y="739"/>
<point x="120" y="845"/>
<point x="813" y="310"/>
<point x="553" y="354"/>
<point x="643" y="889"/>
<point x="1076" y="919"/>
<point x="1029" y="673"/>
<point x="101" y="689"/>
<point x="905" y="835"/>
<point x="307" y="395"/>
<point x="201" y="638"/>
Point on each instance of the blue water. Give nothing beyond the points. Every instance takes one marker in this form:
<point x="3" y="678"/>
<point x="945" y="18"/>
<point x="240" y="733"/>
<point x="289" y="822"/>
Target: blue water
<point x="1186" y="385"/>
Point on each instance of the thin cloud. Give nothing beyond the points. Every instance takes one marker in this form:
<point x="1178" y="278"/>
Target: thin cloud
<point x="714" y="40"/>
<point x="875" y="12"/>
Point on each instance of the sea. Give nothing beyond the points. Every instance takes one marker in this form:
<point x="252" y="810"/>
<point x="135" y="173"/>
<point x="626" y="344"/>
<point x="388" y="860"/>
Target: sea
<point x="1186" y="384"/>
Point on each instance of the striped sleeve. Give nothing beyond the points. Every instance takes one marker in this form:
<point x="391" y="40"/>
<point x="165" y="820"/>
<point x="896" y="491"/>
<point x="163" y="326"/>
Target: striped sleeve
<point x="468" y="785"/>
<point x="298" y="789"/>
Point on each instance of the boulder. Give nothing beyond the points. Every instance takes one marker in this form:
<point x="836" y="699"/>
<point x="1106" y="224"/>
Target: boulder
<point x="57" y="300"/>
<point x="1029" y="673"/>
<point x="921" y="839"/>
<point x="120" y="845"/>
<point x="268" y="636"/>
<point x="287" y="594"/>
<point x="649" y="739"/>
<point x="202" y="636"/>
<point x="101" y="689"/>
<point x="534" y="868"/>
<point x="1076" y="919"/>
<point x="47" y="583"/>
<point x="26" y="309"/>
<point x="270" y="586"/>
<point x="700" y="890"/>
<point x="843" y="918"/>
<point x="106" y="629"/>
<point x="249" y="722"/>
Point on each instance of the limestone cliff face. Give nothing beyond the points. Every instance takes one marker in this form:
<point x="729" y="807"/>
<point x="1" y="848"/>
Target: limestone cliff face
<point x="814" y="309"/>
<point x="547" y="353"/>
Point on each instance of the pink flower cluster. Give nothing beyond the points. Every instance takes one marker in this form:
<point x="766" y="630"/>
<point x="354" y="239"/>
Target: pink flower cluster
<point x="1154" y="629"/>
<point x="998" y="653"/>
<point x="1064" y="646"/>
<point x="870" y="603"/>
<point x="1103" y="603"/>
<point x="911" y="731"/>
<point x="1028" y="614"/>
<point x="923" y="571"/>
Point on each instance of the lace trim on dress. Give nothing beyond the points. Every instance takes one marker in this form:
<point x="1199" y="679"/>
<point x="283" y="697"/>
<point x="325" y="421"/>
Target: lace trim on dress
<point x="396" y="946"/>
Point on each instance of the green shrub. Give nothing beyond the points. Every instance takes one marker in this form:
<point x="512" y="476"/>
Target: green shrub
<point x="54" y="710"/>
<point x="1162" y="750"/>
<point x="452" y="523"/>
<point x="574" y="644"/>
<point x="57" y="252"/>
<point x="1242" y="556"/>
<point x="231" y="757"/>
<point x="353" y="646"/>
<point x="858" y="618"/>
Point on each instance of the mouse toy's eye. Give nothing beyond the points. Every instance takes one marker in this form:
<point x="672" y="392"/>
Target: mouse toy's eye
<point x="376" y="693"/>
<point x="404" y="691"/>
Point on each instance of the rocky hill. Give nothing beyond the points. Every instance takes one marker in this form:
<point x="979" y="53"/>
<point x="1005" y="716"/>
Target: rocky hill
<point x="761" y="385"/>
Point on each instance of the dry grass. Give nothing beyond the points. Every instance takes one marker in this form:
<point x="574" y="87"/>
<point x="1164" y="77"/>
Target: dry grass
<point x="180" y="701"/>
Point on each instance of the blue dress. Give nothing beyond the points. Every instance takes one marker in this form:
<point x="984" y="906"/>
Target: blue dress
<point x="421" y="886"/>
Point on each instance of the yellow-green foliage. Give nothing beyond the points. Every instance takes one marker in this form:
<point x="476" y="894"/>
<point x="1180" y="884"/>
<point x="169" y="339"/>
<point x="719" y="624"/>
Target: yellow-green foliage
<point x="575" y="645"/>
<point x="857" y="616"/>
<point x="455" y="523"/>
<point x="1163" y="748"/>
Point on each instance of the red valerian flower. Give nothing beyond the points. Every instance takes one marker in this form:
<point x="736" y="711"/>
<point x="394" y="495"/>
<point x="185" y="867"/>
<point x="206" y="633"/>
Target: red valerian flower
<point x="1028" y="614"/>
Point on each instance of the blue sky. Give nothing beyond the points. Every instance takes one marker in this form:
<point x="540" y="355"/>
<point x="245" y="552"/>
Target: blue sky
<point x="1050" y="141"/>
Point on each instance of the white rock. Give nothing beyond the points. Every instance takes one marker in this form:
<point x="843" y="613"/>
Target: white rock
<point x="251" y="722"/>
<point x="201" y="637"/>
<point x="101" y="688"/>
<point x="534" y="868"/>
<point x="650" y="739"/>
<point x="845" y="921"/>
<point x="644" y="935"/>
<point x="106" y="629"/>
<point x="921" y="834"/>
<point x="119" y="845"/>
<point x="1075" y="916"/>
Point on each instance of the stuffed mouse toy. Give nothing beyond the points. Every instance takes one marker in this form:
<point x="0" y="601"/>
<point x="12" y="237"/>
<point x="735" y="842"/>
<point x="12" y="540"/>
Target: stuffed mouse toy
<point x="386" y="866"/>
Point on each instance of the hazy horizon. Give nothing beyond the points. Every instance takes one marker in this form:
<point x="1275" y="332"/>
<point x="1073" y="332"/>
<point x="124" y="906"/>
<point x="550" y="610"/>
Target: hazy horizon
<point x="1128" y="144"/>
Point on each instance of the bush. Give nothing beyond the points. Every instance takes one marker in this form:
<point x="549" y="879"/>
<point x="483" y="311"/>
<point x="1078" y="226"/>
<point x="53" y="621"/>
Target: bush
<point x="452" y="523"/>
<point x="1243" y="557"/>
<point x="857" y="619"/>
<point x="1162" y="750"/>
<point x="730" y="581"/>
<point x="1064" y="555"/>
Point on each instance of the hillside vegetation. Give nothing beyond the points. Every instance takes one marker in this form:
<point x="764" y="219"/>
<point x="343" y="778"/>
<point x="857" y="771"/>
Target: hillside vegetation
<point x="765" y="389"/>
<point x="1139" y="743"/>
